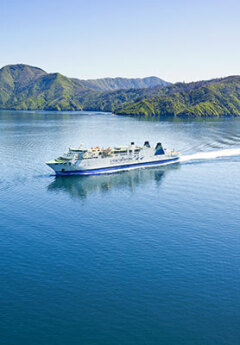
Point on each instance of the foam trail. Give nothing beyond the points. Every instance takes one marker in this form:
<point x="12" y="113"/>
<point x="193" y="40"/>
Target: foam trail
<point x="210" y="155"/>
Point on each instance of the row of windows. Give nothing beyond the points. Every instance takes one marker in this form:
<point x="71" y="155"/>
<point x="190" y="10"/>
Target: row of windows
<point x="125" y="152"/>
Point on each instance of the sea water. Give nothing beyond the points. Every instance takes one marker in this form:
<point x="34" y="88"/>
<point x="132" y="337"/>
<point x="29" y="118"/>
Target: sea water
<point x="149" y="256"/>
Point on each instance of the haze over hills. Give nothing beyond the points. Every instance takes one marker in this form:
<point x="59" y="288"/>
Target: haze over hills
<point x="107" y="84"/>
<point x="29" y="88"/>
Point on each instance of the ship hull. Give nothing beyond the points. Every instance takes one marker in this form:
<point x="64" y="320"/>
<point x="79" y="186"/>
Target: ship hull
<point x="117" y="168"/>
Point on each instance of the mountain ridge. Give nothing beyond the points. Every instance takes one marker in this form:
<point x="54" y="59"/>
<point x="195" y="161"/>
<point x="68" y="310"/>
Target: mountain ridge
<point x="210" y="98"/>
<point x="119" y="83"/>
<point x="31" y="88"/>
<point x="28" y="87"/>
<point x="100" y="84"/>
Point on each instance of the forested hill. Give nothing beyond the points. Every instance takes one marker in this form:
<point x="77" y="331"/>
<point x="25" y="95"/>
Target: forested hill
<point x="217" y="97"/>
<point x="29" y="88"/>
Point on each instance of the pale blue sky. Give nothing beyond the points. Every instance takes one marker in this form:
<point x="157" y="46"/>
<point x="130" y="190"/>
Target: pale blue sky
<point x="174" y="40"/>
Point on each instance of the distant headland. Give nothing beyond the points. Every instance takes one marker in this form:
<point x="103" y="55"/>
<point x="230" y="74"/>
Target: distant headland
<point x="24" y="87"/>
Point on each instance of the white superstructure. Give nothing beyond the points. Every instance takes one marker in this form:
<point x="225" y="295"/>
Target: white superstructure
<point x="98" y="160"/>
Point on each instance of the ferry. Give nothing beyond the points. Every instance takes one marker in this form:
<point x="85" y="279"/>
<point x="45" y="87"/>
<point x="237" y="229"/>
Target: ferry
<point x="96" y="160"/>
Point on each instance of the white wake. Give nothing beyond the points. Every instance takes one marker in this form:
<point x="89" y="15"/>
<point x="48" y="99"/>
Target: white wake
<point x="210" y="155"/>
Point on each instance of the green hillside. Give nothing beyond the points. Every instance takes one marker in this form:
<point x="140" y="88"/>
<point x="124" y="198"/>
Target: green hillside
<point x="14" y="77"/>
<point x="202" y="99"/>
<point x="26" y="87"/>
<point x="50" y="91"/>
<point x="29" y="88"/>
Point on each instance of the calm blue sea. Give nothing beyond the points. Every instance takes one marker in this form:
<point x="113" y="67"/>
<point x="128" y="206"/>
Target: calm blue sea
<point x="146" y="257"/>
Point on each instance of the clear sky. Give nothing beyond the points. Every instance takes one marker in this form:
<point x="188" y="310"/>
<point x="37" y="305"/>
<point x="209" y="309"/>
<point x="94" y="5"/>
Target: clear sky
<point x="175" y="40"/>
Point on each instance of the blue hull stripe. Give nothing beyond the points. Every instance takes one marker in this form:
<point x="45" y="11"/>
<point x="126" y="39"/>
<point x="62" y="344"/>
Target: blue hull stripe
<point x="116" y="168"/>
